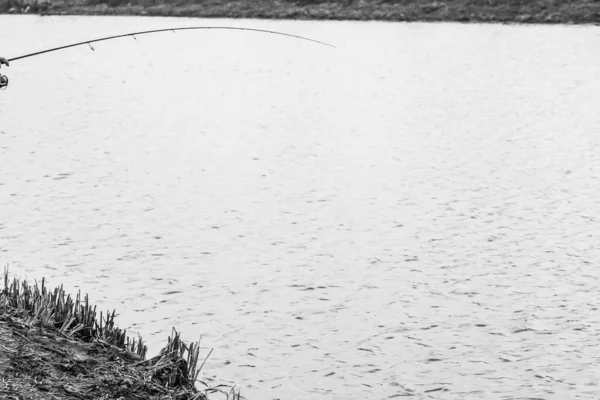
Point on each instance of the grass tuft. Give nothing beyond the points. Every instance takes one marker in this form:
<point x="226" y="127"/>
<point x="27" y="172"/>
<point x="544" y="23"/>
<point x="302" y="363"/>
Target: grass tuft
<point x="51" y="340"/>
<point x="72" y="317"/>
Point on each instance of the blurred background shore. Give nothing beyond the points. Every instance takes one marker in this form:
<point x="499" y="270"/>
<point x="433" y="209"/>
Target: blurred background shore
<point x="505" y="11"/>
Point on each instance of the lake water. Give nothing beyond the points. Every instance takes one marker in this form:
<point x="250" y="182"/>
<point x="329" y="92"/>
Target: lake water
<point x="413" y="213"/>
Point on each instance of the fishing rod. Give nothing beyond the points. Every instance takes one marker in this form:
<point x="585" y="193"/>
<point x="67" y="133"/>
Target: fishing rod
<point x="4" y="78"/>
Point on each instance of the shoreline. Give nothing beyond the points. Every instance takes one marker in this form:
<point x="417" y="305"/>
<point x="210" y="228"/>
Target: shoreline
<point x="477" y="11"/>
<point x="55" y="346"/>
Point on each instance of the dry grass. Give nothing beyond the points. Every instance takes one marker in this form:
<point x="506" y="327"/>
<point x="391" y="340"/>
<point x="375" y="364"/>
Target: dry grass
<point x="73" y="318"/>
<point x="54" y="346"/>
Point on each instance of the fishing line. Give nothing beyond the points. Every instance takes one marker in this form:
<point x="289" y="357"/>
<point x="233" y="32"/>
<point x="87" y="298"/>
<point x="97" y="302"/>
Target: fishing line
<point x="4" y="79"/>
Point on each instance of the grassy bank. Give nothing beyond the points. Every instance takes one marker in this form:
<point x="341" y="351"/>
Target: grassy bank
<point x="54" y="346"/>
<point x="530" y="11"/>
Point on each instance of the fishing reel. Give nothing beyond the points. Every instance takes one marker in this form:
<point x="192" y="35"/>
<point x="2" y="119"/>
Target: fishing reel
<point x="3" y="82"/>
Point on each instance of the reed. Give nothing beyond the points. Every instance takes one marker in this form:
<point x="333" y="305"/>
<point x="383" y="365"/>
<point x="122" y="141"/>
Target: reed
<point x="74" y="319"/>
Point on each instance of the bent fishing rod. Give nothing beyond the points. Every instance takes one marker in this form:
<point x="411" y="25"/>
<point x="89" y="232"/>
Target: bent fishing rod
<point x="4" y="79"/>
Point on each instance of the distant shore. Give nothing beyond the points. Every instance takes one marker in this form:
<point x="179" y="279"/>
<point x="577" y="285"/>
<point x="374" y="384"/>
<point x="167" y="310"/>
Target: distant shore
<point x="499" y="11"/>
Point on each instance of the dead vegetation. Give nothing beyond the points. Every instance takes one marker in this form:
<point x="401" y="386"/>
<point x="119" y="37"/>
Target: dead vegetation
<point x="53" y="346"/>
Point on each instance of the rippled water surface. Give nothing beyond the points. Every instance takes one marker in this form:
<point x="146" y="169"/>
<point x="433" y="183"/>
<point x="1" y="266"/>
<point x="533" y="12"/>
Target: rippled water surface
<point x="413" y="213"/>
